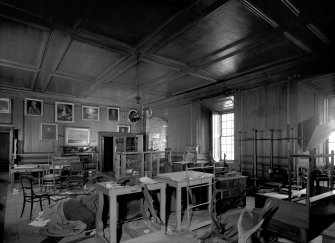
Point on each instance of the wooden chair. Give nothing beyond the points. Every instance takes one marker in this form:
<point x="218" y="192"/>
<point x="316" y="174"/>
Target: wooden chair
<point x="29" y="195"/>
<point x="76" y="176"/>
<point x="58" y="172"/>
<point x="52" y="177"/>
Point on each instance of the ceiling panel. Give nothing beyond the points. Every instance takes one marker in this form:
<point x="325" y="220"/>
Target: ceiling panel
<point x="21" y="43"/>
<point x="67" y="87"/>
<point x="112" y="93"/>
<point x="147" y="72"/>
<point x="182" y="84"/>
<point x="16" y="78"/>
<point x="263" y="55"/>
<point x="87" y="60"/>
<point x="129" y="21"/>
<point x="226" y="25"/>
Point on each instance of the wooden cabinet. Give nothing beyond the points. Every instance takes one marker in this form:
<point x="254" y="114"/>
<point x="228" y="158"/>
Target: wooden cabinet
<point x="230" y="191"/>
<point x="112" y="142"/>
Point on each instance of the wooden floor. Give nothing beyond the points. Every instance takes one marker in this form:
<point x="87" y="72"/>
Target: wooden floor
<point x="16" y="229"/>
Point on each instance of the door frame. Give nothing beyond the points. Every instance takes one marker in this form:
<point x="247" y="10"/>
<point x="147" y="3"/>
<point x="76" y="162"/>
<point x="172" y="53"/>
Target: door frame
<point x="10" y="131"/>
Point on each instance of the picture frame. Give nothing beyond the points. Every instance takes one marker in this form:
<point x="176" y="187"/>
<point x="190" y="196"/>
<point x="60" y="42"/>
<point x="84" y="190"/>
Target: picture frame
<point x="64" y="112"/>
<point x="33" y="107"/>
<point x="77" y="136"/>
<point x="90" y="113"/>
<point x="113" y="113"/>
<point x="123" y="128"/>
<point x="5" y="105"/>
<point x="49" y="131"/>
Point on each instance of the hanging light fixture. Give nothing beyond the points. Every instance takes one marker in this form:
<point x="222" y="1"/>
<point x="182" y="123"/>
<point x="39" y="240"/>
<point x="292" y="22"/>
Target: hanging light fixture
<point x="139" y="112"/>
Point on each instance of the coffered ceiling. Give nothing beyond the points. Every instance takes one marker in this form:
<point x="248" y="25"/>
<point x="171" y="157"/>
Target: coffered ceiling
<point x="188" y="48"/>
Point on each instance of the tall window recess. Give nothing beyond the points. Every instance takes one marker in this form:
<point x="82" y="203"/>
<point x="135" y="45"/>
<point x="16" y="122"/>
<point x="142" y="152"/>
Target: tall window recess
<point x="223" y="131"/>
<point x="331" y="142"/>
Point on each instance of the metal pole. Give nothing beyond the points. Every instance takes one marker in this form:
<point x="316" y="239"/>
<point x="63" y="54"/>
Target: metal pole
<point x="271" y="152"/>
<point x="240" y="142"/>
<point x="295" y="172"/>
<point x="255" y="158"/>
<point x="289" y="175"/>
<point x="332" y="171"/>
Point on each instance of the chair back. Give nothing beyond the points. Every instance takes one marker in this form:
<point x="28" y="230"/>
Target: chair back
<point x="58" y="163"/>
<point x="76" y="167"/>
<point x="27" y="185"/>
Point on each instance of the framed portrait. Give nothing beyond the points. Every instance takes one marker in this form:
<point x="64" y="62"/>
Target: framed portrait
<point x="123" y="128"/>
<point x="49" y="131"/>
<point x="90" y="113"/>
<point x="64" y="112"/>
<point x="33" y="107"/>
<point x="77" y="136"/>
<point x="113" y="113"/>
<point x="5" y="105"/>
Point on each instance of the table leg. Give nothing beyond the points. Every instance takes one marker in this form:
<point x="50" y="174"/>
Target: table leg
<point x="210" y="197"/>
<point x="178" y="207"/>
<point x="12" y="180"/>
<point x="162" y="205"/>
<point x="98" y="220"/>
<point x="113" y="218"/>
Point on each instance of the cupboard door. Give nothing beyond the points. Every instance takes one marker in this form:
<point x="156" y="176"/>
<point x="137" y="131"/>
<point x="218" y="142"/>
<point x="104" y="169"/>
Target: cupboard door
<point x="119" y="144"/>
<point x="131" y="144"/>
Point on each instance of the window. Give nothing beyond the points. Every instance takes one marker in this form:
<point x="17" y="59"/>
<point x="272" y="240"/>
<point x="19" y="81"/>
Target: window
<point x="331" y="142"/>
<point x="223" y="132"/>
<point x="227" y="136"/>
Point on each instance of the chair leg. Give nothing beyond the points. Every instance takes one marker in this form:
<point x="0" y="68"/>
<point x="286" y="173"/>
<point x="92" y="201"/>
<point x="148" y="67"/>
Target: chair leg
<point x="31" y="207"/>
<point x="49" y="200"/>
<point x="41" y="203"/>
<point x="24" y="205"/>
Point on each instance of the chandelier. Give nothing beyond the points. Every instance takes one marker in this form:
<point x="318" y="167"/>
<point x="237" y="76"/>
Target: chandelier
<point x="139" y="112"/>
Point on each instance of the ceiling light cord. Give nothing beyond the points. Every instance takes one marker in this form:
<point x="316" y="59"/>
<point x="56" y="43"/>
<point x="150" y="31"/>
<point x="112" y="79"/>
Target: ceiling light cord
<point x="140" y="112"/>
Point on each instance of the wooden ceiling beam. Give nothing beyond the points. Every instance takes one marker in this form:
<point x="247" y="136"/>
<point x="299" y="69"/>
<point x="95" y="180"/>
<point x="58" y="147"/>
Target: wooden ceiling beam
<point x="18" y="65"/>
<point x="73" y="77"/>
<point x="318" y="33"/>
<point x="22" y="16"/>
<point x="62" y="52"/>
<point x="41" y="58"/>
<point x="297" y="32"/>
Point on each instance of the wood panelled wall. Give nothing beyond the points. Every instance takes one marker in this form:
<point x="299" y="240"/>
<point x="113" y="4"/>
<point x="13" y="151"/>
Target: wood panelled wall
<point x="189" y="124"/>
<point x="29" y="126"/>
<point x="282" y="107"/>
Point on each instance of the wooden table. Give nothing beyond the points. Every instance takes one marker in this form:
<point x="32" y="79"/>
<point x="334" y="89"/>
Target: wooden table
<point x="28" y="168"/>
<point x="113" y="193"/>
<point x="182" y="179"/>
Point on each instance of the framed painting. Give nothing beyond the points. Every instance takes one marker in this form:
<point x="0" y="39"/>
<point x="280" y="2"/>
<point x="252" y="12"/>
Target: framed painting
<point x="33" y="107"/>
<point x="113" y="113"/>
<point x="64" y="112"/>
<point x="49" y="131"/>
<point x="77" y="136"/>
<point x="5" y="105"/>
<point x="90" y="113"/>
<point x="123" y="128"/>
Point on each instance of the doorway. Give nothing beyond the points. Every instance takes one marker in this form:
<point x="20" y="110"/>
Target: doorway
<point x="5" y="142"/>
<point x="108" y="154"/>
